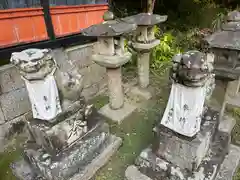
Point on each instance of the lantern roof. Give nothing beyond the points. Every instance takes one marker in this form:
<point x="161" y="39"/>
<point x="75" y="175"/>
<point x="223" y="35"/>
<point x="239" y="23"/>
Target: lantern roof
<point x="146" y="19"/>
<point x="229" y="35"/>
<point x="110" y="27"/>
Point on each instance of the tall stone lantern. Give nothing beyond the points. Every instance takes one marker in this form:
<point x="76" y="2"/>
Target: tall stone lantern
<point x="224" y="47"/>
<point x="111" y="54"/>
<point x="143" y="42"/>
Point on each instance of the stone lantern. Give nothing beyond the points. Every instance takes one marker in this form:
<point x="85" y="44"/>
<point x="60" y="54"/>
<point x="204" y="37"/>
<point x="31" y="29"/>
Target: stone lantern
<point x="189" y="143"/>
<point x="224" y="47"/>
<point x="111" y="54"/>
<point x="143" y="42"/>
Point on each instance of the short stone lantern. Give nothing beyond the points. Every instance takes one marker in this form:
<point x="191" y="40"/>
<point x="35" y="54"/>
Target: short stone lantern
<point x="188" y="143"/>
<point x="112" y="55"/>
<point x="143" y="42"/>
<point x="224" y="48"/>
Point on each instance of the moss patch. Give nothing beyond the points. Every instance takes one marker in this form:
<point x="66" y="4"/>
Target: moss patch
<point x="11" y="154"/>
<point x="99" y="101"/>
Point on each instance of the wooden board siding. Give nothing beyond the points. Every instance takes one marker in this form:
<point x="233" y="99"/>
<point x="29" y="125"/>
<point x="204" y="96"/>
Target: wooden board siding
<point x="21" y="26"/>
<point x="25" y="25"/>
<point x="71" y="19"/>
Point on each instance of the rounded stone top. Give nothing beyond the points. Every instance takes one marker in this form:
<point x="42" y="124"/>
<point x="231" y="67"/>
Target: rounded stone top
<point x="29" y="55"/>
<point x="108" y="15"/>
<point x="109" y="28"/>
<point x="146" y="19"/>
<point x="190" y="68"/>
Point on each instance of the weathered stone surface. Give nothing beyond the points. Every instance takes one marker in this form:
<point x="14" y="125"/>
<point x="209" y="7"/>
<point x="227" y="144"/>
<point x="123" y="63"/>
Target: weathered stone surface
<point x="145" y="19"/>
<point x="109" y="28"/>
<point x="2" y="118"/>
<point x="158" y="168"/>
<point x="92" y="74"/>
<point x="80" y="56"/>
<point x="227" y="124"/>
<point x="230" y="164"/>
<point x="62" y="60"/>
<point x="184" y="152"/>
<point x="111" y="61"/>
<point x="24" y="172"/>
<point x="101" y="160"/>
<point x="132" y="173"/>
<point x="7" y="130"/>
<point x="116" y="96"/>
<point x="117" y="115"/>
<point x="143" y="69"/>
<point x="147" y="46"/>
<point x="228" y="37"/>
<point x="90" y="92"/>
<point x="15" y="103"/>
<point x="10" y="79"/>
<point x="232" y="95"/>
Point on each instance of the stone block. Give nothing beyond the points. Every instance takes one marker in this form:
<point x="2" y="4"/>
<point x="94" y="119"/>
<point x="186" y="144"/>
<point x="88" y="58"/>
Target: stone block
<point x="7" y="130"/>
<point x="227" y="124"/>
<point x="15" y="103"/>
<point x="62" y="60"/>
<point x="157" y="168"/>
<point x="91" y="91"/>
<point x="117" y="115"/>
<point x="87" y="170"/>
<point x="132" y="173"/>
<point x="230" y="164"/>
<point x="10" y="79"/>
<point x="93" y="74"/>
<point x="81" y="55"/>
<point x="185" y="152"/>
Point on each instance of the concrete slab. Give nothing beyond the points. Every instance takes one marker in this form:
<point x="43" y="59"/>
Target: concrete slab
<point x="143" y="93"/>
<point x="117" y="115"/>
<point x="230" y="164"/>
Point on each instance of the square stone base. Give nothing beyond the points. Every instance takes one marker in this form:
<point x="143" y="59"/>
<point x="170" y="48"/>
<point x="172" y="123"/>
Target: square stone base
<point x="215" y="166"/>
<point x="186" y="152"/>
<point x="140" y="92"/>
<point x="117" y="115"/>
<point x="22" y="170"/>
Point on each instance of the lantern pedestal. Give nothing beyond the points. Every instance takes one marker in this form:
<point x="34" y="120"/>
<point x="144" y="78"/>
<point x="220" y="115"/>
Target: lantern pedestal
<point x="143" y="42"/>
<point x="117" y="110"/>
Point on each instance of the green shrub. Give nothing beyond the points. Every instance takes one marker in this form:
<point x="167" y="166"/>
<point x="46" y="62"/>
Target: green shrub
<point x="164" y="52"/>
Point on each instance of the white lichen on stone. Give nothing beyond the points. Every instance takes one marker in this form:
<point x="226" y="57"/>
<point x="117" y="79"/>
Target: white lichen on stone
<point x="177" y="172"/>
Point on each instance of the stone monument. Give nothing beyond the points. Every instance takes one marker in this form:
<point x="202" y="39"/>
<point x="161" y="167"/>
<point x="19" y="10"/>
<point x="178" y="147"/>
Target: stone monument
<point x="67" y="138"/>
<point x="143" y="42"/>
<point x="112" y="54"/>
<point x="225" y="46"/>
<point x="189" y="144"/>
